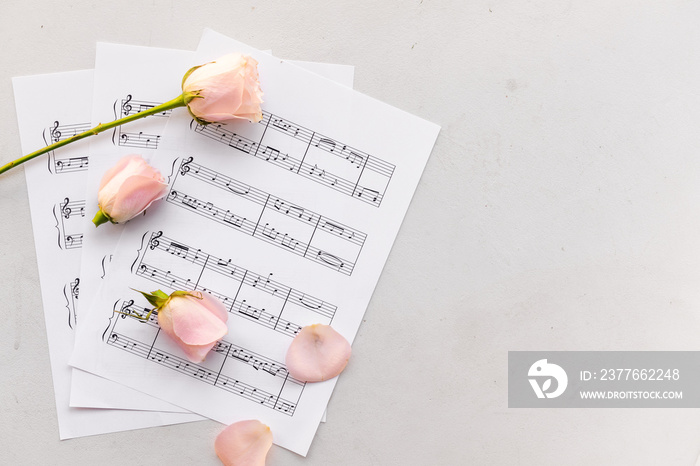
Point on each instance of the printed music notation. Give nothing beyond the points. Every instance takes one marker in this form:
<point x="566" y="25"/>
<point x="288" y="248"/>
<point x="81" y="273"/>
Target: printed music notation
<point x="126" y="107"/>
<point x="255" y="297"/>
<point x="316" y="157"/>
<point x="229" y="367"/>
<point x="265" y="216"/>
<point x="56" y="133"/>
<point x="141" y="140"/>
<point x="68" y="215"/>
<point x="70" y="293"/>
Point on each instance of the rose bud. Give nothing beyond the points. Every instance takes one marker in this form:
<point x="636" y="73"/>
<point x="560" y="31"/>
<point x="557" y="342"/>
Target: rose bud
<point x="317" y="353"/>
<point x="244" y="443"/>
<point x="194" y="320"/>
<point x="127" y="189"/>
<point x="225" y="89"/>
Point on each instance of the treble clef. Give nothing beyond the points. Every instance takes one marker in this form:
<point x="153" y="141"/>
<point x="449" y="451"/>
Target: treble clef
<point x="154" y="243"/>
<point x="75" y="288"/>
<point x="126" y="106"/>
<point x="65" y="210"/>
<point x="55" y="133"/>
<point x="126" y="308"/>
<point x="185" y="167"/>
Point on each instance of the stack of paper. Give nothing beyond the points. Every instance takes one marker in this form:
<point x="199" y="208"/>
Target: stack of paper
<point x="288" y="222"/>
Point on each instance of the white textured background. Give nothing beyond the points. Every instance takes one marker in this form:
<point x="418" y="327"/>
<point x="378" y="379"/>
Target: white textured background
<point x="558" y="211"/>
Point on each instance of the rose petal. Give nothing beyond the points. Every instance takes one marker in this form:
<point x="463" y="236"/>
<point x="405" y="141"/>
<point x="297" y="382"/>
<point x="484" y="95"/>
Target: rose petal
<point x="112" y="172"/>
<point x="197" y="353"/>
<point x="134" y="196"/>
<point x="193" y="323"/>
<point x="244" y="443"/>
<point x="215" y="306"/>
<point x="165" y="321"/>
<point x="317" y="353"/>
<point x="220" y="65"/>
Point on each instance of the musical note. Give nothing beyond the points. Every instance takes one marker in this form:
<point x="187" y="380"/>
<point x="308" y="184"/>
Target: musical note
<point x="189" y="202"/>
<point x="239" y="354"/>
<point x="289" y="242"/>
<point x="333" y="228"/>
<point x="221" y="347"/>
<point x="233" y="219"/>
<point x="311" y="303"/>
<point x="270" y="232"/>
<point x="240" y="143"/>
<point x="160" y="357"/>
<point x="140" y="139"/>
<point x="80" y="162"/>
<point x="368" y="193"/>
<point x="286" y="127"/>
<point x="242" y="191"/>
<point x="177" y="249"/>
<point x="297" y="244"/>
<point x="330" y="259"/>
<point x="326" y="144"/>
<point x="289" y="209"/>
<point x="355" y="159"/>
<point x="249" y="311"/>
<point x="271" y="153"/>
<point x="263" y="282"/>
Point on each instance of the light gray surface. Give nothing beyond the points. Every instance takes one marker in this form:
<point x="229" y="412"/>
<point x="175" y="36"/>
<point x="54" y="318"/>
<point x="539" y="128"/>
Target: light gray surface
<point x="559" y="211"/>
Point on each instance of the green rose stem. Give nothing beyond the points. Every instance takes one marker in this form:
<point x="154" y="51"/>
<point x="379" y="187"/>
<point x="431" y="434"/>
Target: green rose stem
<point x="180" y="101"/>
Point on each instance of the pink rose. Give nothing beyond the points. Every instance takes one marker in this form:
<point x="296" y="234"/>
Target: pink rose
<point x="194" y="320"/>
<point x="127" y="189"/>
<point x="225" y="89"/>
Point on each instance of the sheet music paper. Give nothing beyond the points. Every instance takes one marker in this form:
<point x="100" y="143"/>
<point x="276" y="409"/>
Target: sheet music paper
<point x="121" y="91"/>
<point x="52" y="108"/>
<point x="127" y="79"/>
<point x="288" y="222"/>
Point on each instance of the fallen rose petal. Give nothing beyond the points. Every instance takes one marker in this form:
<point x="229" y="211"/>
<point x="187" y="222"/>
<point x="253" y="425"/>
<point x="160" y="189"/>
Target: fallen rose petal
<point x="244" y="443"/>
<point x="317" y="353"/>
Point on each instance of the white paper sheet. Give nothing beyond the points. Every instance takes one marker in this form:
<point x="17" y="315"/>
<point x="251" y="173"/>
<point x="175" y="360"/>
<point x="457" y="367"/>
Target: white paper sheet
<point x="121" y="92"/>
<point x="288" y="221"/>
<point x="50" y="108"/>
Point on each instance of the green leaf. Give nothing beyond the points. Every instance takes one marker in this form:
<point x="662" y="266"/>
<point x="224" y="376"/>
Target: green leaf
<point x="157" y="298"/>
